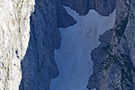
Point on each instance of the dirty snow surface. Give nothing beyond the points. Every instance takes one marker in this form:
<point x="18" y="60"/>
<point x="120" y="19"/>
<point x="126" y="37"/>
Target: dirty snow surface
<point x="73" y="57"/>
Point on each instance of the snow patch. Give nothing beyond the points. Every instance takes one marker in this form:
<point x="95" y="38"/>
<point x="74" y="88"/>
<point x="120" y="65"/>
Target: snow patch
<point x="73" y="58"/>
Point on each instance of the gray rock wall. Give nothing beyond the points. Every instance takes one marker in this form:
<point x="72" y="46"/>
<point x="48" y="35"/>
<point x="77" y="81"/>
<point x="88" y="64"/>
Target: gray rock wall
<point x="114" y="59"/>
<point x="38" y="65"/>
<point x="103" y="7"/>
<point x="117" y="64"/>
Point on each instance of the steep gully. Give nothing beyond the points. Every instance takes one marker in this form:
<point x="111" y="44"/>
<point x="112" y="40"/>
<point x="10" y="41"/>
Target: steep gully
<point x="38" y="65"/>
<point x="73" y="57"/>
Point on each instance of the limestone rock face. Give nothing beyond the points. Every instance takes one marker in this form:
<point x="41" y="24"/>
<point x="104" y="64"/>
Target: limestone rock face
<point x="14" y="37"/>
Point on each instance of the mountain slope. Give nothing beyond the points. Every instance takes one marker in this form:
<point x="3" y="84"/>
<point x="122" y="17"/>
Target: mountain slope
<point x="115" y="68"/>
<point x="73" y="58"/>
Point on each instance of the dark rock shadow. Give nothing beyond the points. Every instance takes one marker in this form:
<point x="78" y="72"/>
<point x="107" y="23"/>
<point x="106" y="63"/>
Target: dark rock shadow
<point x="38" y="66"/>
<point x="103" y="7"/>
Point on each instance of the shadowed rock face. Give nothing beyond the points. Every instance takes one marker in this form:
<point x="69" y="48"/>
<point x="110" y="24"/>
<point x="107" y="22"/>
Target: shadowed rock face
<point x="103" y="7"/>
<point x="115" y="63"/>
<point x="80" y="6"/>
<point x="38" y="65"/>
<point x="63" y="18"/>
<point x="98" y="56"/>
<point x="114" y="59"/>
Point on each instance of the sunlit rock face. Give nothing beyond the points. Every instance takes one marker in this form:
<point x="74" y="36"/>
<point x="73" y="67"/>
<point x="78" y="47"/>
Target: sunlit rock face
<point x="14" y="38"/>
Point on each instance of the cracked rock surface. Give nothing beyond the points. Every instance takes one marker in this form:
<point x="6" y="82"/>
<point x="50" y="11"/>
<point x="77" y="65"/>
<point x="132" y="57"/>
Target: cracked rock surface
<point x="14" y="37"/>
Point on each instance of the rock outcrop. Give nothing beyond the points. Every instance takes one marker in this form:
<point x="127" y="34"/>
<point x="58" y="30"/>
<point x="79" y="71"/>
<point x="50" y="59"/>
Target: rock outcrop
<point x="38" y="65"/>
<point x="103" y="7"/>
<point x="27" y="43"/>
<point x="14" y="38"/>
<point x="113" y="59"/>
<point x="30" y="40"/>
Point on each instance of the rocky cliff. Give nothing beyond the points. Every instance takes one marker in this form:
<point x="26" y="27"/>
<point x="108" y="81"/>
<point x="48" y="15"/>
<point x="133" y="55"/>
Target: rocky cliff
<point x="38" y="65"/>
<point x="103" y="7"/>
<point x="29" y="35"/>
<point x="14" y="37"/>
<point x="113" y="59"/>
<point x="28" y="38"/>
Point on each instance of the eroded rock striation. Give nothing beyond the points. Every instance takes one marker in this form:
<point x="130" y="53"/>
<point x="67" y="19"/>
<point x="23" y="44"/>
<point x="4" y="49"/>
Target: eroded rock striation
<point x="14" y="37"/>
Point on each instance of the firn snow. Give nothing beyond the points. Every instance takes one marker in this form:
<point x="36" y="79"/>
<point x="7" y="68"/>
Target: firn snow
<point x="73" y="58"/>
